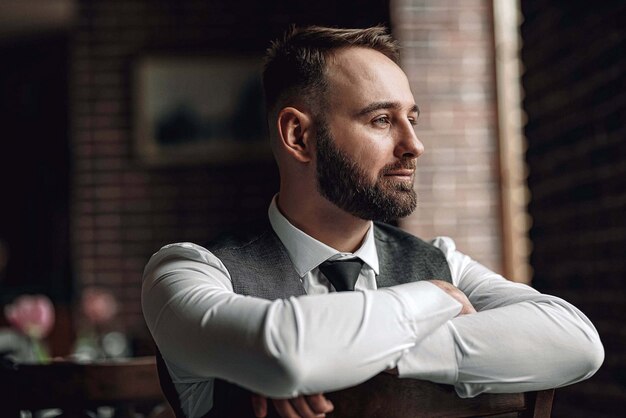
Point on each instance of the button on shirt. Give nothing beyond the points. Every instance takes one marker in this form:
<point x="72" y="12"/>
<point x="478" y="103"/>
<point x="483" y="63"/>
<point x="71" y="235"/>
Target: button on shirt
<point x="519" y="340"/>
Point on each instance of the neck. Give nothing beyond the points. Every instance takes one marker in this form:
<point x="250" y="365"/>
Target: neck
<point x="324" y="221"/>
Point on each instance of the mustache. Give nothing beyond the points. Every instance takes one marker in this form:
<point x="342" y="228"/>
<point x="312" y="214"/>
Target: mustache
<point x="400" y="165"/>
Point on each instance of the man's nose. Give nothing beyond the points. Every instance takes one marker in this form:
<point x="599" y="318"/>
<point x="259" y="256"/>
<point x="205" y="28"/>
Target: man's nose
<point x="408" y="145"/>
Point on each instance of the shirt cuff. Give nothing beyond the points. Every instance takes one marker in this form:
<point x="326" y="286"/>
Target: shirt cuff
<point x="433" y="359"/>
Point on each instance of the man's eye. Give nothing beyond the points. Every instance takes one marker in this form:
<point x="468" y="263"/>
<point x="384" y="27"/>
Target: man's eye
<point x="382" y="121"/>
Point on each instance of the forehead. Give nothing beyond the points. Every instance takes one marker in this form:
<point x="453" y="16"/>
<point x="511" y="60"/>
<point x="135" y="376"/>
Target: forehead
<point x="360" y="76"/>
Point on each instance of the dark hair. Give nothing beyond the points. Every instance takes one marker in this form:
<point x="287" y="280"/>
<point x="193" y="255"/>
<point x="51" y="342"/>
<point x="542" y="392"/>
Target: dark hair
<point x="295" y="64"/>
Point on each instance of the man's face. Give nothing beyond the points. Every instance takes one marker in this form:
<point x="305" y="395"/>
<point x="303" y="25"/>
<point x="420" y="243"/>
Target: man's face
<point x="344" y="182"/>
<point x="366" y="145"/>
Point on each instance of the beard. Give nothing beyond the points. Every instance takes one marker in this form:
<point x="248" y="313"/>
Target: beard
<point x="343" y="182"/>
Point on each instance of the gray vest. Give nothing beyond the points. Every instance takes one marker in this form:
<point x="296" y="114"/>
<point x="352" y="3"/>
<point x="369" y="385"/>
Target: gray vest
<point x="259" y="266"/>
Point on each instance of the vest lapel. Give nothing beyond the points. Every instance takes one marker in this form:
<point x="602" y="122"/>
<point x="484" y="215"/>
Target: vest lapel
<point x="261" y="267"/>
<point x="404" y="258"/>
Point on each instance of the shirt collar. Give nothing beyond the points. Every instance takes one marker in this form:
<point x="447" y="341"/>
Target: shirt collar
<point x="306" y="253"/>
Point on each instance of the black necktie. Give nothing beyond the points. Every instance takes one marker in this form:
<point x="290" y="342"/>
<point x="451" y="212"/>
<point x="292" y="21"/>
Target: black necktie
<point x="342" y="273"/>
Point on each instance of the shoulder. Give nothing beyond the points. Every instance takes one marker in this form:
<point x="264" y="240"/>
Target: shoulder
<point x="240" y="238"/>
<point x="249" y="248"/>
<point x="181" y="255"/>
<point x="182" y="251"/>
<point x="445" y="244"/>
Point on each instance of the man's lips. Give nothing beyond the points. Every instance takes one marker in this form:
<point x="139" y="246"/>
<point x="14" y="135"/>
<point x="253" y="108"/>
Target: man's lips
<point x="400" y="173"/>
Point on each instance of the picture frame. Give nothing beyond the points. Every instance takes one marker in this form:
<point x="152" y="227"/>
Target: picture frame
<point x="199" y="109"/>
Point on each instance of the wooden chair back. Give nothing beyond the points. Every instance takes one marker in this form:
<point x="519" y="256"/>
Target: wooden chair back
<point x="386" y="396"/>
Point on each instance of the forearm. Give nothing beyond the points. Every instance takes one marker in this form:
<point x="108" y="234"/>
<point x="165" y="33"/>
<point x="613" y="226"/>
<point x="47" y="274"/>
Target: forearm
<point x="519" y="340"/>
<point x="530" y="345"/>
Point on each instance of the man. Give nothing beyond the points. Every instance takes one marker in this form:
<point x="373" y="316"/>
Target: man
<point x="262" y="313"/>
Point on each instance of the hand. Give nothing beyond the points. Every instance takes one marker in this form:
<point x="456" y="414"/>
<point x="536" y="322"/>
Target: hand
<point x="308" y="406"/>
<point x="454" y="291"/>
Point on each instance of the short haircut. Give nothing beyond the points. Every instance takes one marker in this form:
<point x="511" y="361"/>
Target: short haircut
<point x="295" y="64"/>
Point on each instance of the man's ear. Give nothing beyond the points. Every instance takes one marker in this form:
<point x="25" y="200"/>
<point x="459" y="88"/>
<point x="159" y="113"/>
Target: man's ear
<point x="295" y="131"/>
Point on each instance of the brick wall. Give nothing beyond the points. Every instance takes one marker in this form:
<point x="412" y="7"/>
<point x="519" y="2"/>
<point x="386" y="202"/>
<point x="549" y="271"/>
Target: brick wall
<point x="575" y="59"/>
<point x="122" y="210"/>
<point x="448" y="56"/>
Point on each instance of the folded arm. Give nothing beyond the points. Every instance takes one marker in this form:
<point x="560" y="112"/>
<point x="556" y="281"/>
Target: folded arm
<point x="282" y="348"/>
<point x="519" y="340"/>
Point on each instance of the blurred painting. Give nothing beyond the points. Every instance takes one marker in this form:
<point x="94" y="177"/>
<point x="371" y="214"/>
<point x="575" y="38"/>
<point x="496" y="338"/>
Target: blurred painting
<point x="191" y="110"/>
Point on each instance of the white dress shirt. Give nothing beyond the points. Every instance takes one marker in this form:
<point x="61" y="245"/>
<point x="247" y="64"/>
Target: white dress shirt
<point x="519" y="340"/>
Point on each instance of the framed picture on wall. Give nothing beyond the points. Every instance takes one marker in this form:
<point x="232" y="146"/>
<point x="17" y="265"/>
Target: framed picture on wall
<point x="190" y="110"/>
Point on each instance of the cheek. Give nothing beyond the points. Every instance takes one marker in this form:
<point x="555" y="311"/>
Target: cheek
<point x="370" y="150"/>
<point x="372" y="160"/>
<point x="377" y="152"/>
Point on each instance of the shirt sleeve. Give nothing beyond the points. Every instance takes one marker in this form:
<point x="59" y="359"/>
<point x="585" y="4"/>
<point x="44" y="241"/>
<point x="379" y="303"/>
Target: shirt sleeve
<point x="283" y="348"/>
<point x="519" y="340"/>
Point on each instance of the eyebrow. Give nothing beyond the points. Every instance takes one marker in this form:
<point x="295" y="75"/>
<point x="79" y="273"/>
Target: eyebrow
<point x="385" y="105"/>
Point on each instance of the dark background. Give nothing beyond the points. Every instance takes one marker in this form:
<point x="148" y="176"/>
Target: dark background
<point x="575" y="59"/>
<point x="79" y="207"/>
<point x="35" y="166"/>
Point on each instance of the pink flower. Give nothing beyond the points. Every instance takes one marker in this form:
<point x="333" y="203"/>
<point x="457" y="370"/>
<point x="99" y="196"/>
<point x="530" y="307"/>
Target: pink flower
<point x="98" y="305"/>
<point x="31" y="315"/>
